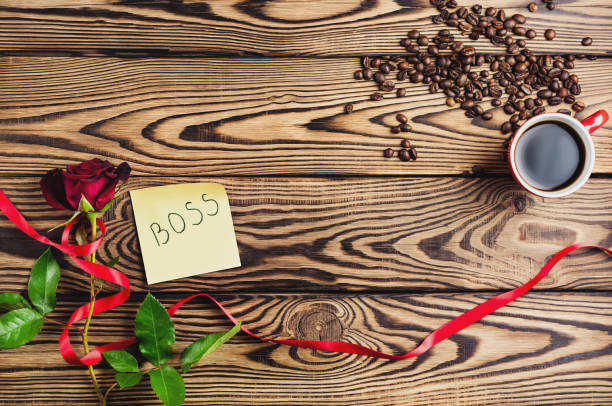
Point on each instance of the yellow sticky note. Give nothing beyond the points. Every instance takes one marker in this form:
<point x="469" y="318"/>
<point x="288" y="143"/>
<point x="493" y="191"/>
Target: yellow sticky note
<point x="184" y="230"/>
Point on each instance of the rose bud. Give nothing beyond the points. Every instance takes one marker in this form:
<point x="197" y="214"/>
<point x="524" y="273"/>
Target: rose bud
<point x="95" y="180"/>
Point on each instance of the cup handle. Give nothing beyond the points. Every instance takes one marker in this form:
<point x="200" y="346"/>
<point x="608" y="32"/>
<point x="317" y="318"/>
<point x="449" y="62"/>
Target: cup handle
<point x="594" y="121"/>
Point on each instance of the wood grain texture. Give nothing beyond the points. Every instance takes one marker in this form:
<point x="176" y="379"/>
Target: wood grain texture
<point x="544" y="349"/>
<point x="352" y="234"/>
<point x="254" y="27"/>
<point x="245" y="116"/>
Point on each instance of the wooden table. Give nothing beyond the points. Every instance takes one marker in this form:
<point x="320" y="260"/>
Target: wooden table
<point x="336" y="242"/>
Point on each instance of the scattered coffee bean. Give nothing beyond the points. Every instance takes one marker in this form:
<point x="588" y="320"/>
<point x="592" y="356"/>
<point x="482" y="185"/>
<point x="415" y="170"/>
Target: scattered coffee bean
<point x="395" y="129"/>
<point x="531" y="34"/>
<point x="586" y="41"/>
<point x="565" y="111"/>
<point x="405" y="127"/>
<point x="414" y="34"/>
<point x="401" y="118"/>
<point x="388" y="153"/>
<point x="412" y="153"/>
<point x="404" y="155"/>
<point x="506" y="127"/>
<point x="487" y="115"/>
<point x="578" y="105"/>
<point x="496" y="102"/>
<point x="348" y="108"/>
<point x="405" y="143"/>
<point x="450" y="102"/>
<point x="550" y="5"/>
<point x="401" y="92"/>
<point x="533" y="7"/>
<point x="550" y="34"/>
<point x="376" y="96"/>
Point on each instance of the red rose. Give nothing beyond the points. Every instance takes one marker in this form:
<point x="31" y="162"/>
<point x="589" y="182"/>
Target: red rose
<point x="95" y="179"/>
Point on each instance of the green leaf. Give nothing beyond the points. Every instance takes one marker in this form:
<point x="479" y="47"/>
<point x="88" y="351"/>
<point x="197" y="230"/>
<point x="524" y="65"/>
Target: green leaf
<point x="121" y="361"/>
<point x="18" y="327"/>
<point x="169" y="385"/>
<point x="128" y="379"/>
<point x="43" y="282"/>
<point x="204" y="346"/>
<point x="12" y="301"/>
<point x="113" y="262"/>
<point x="154" y="330"/>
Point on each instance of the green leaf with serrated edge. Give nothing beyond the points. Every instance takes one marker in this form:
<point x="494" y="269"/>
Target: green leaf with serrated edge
<point x="204" y="346"/>
<point x="12" y="301"/>
<point x="126" y="379"/>
<point x="121" y="361"/>
<point x="169" y="385"/>
<point x="43" y="282"/>
<point x="154" y="330"/>
<point x="19" y="326"/>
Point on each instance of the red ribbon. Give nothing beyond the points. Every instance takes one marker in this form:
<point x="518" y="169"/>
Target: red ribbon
<point x="112" y="275"/>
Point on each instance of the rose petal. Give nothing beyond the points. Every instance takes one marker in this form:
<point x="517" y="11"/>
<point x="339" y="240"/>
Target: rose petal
<point x="52" y="187"/>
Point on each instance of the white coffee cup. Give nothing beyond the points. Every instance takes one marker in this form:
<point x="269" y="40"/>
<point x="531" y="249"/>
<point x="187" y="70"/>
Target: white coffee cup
<point x="582" y="129"/>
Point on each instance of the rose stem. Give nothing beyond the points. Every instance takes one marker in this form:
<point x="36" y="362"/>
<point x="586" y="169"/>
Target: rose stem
<point x="113" y="386"/>
<point x="92" y="298"/>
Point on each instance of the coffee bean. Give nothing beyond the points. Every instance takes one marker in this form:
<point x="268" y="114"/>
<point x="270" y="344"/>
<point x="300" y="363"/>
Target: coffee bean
<point x="565" y="111"/>
<point x="554" y="101"/>
<point x="412" y="153"/>
<point x="405" y="42"/>
<point x="519" y="30"/>
<point x="513" y="49"/>
<point x="521" y="43"/>
<point x="490" y="11"/>
<point x="450" y="102"/>
<point x="395" y="129"/>
<point x="422" y="40"/>
<point x="563" y="92"/>
<point x="514" y="119"/>
<point x="387" y="85"/>
<point x="470" y="114"/>
<point x="401" y="118"/>
<point x="401" y="92"/>
<point x="575" y="89"/>
<point x="533" y="7"/>
<point x="570" y="99"/>
<point x="348" y="108"/>
<point x="414" y="34"/>
<point x="538" y="102"/>
<point x="578" y="105"/>
<point x="376" y="96"/>
<point x="525" y="88"/>
<point x="586" y="41"/>
<point x="368" y="74"/>
<point x="496" y="102"/>
<point x="462" y="12"/>
<point x="506" y="127"/>
<point x="468" y="51"/>
<point x="508" y="109"/>
<point x="405" y="143"/>
<point x="520" y="67"/>
<point x="433" y="88"/>
<point x="550" y="34"/>
<point x="358" y="75"/>
<point x="531" y="34"/>
<point x="403" y="155"/>
<point x="519" y="18"/>
<point x="433" y="50"/>
<point x="405" y="127"/>
<point x="529" y="103"/>
<point x="385" y="68"/>
<point x="539" y="110"/>
<point x="388" y="153"/>
<point x="545" y="94"/>
<point x="487" y="116"/>
<point x="379" y="77"/>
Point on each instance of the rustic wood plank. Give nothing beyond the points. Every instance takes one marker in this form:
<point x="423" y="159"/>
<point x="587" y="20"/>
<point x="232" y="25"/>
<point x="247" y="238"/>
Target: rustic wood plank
<point x="351" y="234"/>
<point x="290" y="27"/>
<point x="545" y="348"/>
<point x="244" y="116"/>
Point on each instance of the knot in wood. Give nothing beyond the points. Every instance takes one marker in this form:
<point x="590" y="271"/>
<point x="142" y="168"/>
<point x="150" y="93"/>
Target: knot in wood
<point x="520" y="203"/>
<point x="317" y="323"/>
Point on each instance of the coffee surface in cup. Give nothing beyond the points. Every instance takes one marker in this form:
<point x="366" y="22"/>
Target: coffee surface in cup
<point x="549" y="155"/>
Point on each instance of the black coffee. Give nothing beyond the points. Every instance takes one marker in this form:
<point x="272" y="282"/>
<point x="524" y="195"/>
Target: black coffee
<point x="549" y="155"/>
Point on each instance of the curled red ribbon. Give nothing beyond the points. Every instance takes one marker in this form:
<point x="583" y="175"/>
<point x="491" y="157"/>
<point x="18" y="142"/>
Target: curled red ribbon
<point x="112" y="275"/>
